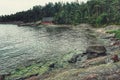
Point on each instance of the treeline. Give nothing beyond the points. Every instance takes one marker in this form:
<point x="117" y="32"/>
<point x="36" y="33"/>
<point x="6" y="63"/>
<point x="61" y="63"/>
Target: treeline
<point x="94" y="12"/>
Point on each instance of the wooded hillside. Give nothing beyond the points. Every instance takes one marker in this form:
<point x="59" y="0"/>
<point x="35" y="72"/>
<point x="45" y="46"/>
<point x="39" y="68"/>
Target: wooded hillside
<point x="94" y="12"/>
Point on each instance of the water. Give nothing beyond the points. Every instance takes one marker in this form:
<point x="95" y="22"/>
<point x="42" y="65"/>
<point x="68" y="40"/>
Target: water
<point x="22" y="44"/>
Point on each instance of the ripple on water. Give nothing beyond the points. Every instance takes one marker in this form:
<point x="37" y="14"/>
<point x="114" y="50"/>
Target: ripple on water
<point x="19" y="44"/>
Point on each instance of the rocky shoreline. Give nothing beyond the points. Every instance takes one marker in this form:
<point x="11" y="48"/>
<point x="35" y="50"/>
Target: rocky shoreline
<point x="98" y="62"/>
<point x="96" y="68"/>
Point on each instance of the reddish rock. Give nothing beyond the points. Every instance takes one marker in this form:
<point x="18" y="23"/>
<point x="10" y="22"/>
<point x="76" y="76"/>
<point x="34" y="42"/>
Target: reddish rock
<point x="115" y="58"/>
<point x="2" y="77"/>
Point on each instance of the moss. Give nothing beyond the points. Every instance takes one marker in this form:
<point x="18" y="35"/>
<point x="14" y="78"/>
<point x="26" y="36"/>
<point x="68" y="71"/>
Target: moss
<point x="28" y="71"/>
<point x="68" y="55"/>
<point x="40" y="68"/>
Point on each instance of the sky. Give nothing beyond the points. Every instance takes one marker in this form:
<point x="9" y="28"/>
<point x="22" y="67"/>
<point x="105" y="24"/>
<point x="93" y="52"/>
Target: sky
<point x="13" y="6"/>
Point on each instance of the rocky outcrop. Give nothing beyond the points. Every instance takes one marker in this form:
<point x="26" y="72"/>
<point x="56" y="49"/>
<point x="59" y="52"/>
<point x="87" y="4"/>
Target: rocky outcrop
<point x="95" y="51"/>
<point x="91" y="52"/>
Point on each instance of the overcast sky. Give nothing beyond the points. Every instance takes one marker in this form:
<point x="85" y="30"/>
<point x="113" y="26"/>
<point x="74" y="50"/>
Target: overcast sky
<point x="13" y="6"/>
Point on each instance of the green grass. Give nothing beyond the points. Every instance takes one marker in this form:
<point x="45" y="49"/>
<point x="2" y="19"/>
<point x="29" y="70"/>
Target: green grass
<point x="116" y="32"/>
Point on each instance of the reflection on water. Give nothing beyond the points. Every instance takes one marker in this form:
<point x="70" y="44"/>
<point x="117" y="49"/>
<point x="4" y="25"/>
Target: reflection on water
<point x="19" y="44"/>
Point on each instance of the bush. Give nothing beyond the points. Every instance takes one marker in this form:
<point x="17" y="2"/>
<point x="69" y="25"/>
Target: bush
<point x="102" y="19"/>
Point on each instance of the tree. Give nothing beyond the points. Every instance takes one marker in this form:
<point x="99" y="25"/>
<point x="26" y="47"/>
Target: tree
<point x="93" y="12"/>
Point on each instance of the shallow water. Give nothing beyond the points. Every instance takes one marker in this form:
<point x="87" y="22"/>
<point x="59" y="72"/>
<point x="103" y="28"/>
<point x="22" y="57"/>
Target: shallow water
<point x="22" y="44"/>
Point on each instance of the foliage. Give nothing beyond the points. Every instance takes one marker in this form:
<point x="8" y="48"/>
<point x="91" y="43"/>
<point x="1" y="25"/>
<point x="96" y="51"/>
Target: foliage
<point x="102" y="19"/>
<point x="97" y="12"/>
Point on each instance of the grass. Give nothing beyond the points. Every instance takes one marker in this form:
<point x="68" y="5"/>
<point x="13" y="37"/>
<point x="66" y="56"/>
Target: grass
<point x="116" y="32"/>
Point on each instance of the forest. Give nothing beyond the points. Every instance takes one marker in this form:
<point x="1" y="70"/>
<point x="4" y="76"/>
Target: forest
<point x="98" y="12"/>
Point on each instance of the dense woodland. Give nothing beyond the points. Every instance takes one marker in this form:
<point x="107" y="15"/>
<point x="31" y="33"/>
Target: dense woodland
<point x="97" y="12"/>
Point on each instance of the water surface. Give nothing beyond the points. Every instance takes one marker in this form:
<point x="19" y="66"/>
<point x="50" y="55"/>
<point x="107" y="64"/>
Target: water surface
<point x="21" y="44"/>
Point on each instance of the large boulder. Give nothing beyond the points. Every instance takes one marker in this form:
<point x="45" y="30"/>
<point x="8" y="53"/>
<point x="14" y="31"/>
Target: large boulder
<point x="95" y="51"/>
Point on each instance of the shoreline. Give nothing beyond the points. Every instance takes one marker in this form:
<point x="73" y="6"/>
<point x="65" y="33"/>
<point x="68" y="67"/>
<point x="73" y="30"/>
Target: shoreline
<point x="36" y="24"/>
<point x="39" y="69"/>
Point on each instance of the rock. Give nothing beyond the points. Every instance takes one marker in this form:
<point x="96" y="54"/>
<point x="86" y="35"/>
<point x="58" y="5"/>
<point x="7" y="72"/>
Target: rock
<point x="115" y="58"/>
<point x="91" y="77"/>
<point x="52" y="65"/>
<point x="113" y="77"/>
<point x="30" y="77"/>
<point x="2" y="77"/>
<point x="108" y="36"/>
<point x="33" y="78"/>
<point x="75" y="58"/>
<point x="91" y="52"/>
<point x="95" y="51"/>
<point x="112" y="27"/>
